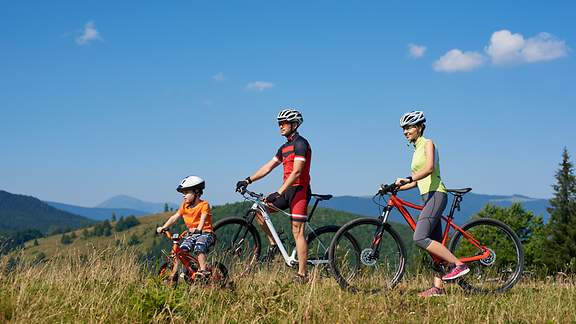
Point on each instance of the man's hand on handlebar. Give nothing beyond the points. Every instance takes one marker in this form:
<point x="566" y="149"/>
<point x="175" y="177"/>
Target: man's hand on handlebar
<point x="161" y="229"/>
<point x="242" y="184"/>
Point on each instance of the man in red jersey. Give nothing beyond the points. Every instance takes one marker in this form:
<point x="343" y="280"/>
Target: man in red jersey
<point x="295" y="192"/>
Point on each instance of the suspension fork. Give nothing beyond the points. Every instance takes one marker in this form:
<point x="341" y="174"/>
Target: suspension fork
<point x="375" y="246"/>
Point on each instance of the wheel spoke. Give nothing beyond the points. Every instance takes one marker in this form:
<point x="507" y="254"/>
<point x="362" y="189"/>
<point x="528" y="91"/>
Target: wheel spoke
<point x="500" y="270"/>
<point x="237" y="245"/>
<point x="367" y="267"/>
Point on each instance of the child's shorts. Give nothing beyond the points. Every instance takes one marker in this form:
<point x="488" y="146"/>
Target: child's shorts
<point x="200" y="242"/>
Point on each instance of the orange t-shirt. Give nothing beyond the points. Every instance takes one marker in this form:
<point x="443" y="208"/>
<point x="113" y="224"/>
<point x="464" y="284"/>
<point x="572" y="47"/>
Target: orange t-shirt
<point x="192" y="215"/>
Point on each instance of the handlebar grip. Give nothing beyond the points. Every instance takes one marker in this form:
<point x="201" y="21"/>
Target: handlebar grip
<point x="384" y="188"/>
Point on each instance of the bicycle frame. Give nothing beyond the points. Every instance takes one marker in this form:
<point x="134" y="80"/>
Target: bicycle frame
<point x="395" y="202"/>
<point x="261" y="207"/>
<point x="177" y="253"/>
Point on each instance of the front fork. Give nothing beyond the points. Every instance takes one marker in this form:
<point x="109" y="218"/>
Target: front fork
<point x="375" y="246"/>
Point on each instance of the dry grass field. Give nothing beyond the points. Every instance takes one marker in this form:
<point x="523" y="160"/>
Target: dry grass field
<point x="109" y="286"/>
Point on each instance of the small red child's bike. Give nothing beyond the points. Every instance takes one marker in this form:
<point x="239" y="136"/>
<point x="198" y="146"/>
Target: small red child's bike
<point x="181" y="264"/>
<point x="489" y="247"/>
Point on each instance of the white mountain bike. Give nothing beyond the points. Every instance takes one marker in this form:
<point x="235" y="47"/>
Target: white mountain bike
<point x="238" y="242"/>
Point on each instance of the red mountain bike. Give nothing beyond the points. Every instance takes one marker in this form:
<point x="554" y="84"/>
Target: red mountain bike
<point x="489" y="247"/>
<point x="181" y="264"/>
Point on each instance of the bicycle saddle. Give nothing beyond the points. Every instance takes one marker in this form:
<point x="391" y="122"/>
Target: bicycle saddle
<point x="322" y="197"/>
<point x="459" y="191"/>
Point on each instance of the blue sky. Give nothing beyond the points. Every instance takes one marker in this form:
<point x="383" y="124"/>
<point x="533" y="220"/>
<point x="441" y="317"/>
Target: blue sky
<point x="103" y="98"/>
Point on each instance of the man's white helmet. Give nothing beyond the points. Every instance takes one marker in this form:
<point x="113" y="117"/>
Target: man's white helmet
<point x="191" y="183"/>
<point x="290" y="115"/>
<point x="412" y="118"/>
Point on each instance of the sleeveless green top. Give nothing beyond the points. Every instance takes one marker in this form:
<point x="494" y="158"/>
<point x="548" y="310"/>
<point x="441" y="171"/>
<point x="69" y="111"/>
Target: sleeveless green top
<point x="432" y="182"/>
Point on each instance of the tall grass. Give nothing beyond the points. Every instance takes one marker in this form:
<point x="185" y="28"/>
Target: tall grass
<point x="109" y="286"/>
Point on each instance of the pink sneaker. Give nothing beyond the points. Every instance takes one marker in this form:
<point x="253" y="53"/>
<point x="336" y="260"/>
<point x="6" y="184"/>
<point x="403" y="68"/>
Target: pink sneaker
<point x="457" y="272"/>
<point x="432" y="292"/>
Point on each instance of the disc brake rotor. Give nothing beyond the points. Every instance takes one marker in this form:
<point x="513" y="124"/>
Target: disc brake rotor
<point x="367" y="257"/>
<point x="489" y="260"/>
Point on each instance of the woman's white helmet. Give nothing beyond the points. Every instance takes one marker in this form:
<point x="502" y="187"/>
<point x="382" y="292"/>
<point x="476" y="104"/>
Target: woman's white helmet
<point x="191" y="183"/>
<point x="290" y="115"/>
<point x="412" y="118"/>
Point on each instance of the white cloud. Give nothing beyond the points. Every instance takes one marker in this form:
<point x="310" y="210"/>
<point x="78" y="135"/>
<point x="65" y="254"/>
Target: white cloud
<point x="508" y="48"/>
<point x="416" y="51"/>
<point x="259" y="85"/>
<point x="544" y="47"/>
<point x="505" y="47"/>
<point x="89" y="34"/>
<point x="219" y="77"/>
<point x="457" y="61"/>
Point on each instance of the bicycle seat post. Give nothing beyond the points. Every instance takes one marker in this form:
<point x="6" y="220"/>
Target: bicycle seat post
<point x="313" y="208"/>
<point x="455" y="205"/>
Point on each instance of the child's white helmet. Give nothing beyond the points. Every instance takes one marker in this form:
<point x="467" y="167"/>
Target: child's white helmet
<point x="191" y="183"/>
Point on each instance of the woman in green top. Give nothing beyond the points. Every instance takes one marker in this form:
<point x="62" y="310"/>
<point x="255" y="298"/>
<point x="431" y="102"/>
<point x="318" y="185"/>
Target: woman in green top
<point x="426" y="175"/>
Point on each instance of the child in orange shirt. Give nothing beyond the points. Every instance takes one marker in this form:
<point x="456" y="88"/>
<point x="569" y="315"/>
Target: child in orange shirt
<point x="197" y="217"/>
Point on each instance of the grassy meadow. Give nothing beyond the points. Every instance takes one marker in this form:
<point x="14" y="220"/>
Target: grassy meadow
<point x="108" y="285"/>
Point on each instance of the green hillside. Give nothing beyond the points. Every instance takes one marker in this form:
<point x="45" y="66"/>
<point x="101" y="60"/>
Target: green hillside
<point x="143" y="238"/>
<point x="19" y="212"/>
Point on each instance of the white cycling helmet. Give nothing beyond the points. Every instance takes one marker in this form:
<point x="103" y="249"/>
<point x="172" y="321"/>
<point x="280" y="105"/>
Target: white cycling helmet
<point x="412" y="118"/>
<point x="191" y="183"/>
<point x="290" y="115"/>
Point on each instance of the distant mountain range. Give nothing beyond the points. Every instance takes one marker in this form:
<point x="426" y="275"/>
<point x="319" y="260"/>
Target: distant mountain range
<point x="123" y="201"/>
<point x="471" y="204"/>
<point x="96" y="213"/>
<point x="124" y="205"/>
<point x="120" y="205"/>
<point x="20" y="212"/>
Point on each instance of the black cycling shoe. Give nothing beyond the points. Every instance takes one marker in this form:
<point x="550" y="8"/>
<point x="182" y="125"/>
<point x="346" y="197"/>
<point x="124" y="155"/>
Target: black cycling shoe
<point x="202" y="275"/>
<point x="301" y="279"/>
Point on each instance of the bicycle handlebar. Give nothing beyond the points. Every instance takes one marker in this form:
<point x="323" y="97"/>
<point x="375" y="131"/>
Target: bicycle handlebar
<point x="252" y="194"/>
<point x="385" y="189"/>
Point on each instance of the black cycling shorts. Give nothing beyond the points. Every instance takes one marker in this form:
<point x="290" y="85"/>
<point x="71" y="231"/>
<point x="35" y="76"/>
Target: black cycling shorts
<point x="296" y="198"/>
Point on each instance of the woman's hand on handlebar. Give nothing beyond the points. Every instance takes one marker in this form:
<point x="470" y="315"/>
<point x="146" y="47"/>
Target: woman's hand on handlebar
<point x="401" y="181"/>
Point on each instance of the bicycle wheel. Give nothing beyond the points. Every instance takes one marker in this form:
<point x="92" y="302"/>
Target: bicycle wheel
<point x="368" y="268"/>
<point x="237" y="245"/>
<point x="319" y="243"/>
<point x="502" y="268"/>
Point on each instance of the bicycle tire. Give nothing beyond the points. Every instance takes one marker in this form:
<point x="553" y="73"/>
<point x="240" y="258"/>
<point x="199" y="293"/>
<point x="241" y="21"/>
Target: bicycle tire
<point x="319" y="244"/>
<point x="502" y="269"/>
<point x="237" y="245"/>
<point x="358" y="270"/>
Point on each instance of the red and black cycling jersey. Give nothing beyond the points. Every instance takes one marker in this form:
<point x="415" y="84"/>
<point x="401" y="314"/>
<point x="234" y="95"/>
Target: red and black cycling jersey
<point x="296" y="148"/>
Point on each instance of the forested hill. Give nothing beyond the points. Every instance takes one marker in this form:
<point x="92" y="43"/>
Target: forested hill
<point x="19" y="212"/>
